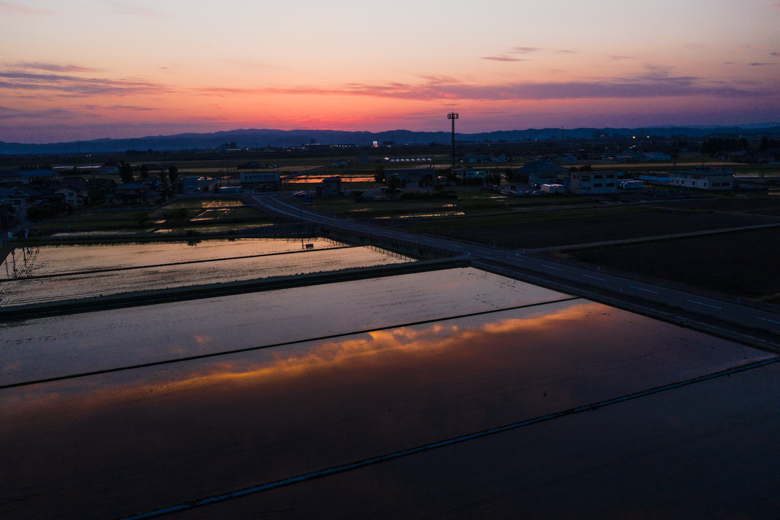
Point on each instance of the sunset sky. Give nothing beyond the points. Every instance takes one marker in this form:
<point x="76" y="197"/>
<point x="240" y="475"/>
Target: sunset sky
<point x="86" y="69"/>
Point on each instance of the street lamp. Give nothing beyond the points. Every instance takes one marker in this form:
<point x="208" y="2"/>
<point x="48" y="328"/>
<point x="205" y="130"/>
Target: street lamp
<point x="453" y="116"/>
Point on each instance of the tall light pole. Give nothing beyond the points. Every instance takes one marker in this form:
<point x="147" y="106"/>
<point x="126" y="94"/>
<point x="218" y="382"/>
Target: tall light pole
<point x="453" y="116"/>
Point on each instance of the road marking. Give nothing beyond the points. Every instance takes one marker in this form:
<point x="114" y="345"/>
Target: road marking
<point x="770" y="321"/>
<point x="551" y="267"/>
<point x="595" y="278"/>
<point x="706" y="305"/>
<point x="488" y="257"/>
<point x="647" y="290"/>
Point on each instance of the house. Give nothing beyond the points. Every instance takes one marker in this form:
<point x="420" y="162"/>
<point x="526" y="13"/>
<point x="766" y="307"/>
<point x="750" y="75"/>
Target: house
<point x="330" y="187"/>
<point x="711" y="178"/>
<point x="193" y="185"/>
<point x="73" y="197"/>
<point x="469" y="157"/>
<point x="541" y="172"/>
<point x="593" y="183"/>
<point x="471" y="175"/>
<point x="364" y="158"/>
<point x="133" y="194"/>
<point x="8" y="177"/>
<point x="25" y="193"/>
<point x="101" y="185"/>
<point x="53" y="201"/>
<point x="153" y="182"/>
<point x="412" y="177"/>
<point x="37" y="176"/>
<point x="75" y="190"/>
<point x="261" y="180"/>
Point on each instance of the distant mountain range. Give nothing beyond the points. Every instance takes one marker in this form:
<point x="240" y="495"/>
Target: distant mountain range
<point x="262" y="138"/>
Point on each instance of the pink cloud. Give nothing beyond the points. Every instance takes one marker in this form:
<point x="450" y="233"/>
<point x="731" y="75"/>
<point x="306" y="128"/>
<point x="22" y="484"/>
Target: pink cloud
<point x="51" y="67"/>
<point x="12" y="8"/>
<point x="501" y="58"/>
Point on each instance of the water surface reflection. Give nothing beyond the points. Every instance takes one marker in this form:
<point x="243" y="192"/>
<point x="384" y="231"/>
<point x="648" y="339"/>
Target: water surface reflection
<point x="224" y="424"/>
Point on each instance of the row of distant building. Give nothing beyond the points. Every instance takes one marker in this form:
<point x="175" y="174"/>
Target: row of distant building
<point x="709" y="178"/>
<point x="592" y="182"/>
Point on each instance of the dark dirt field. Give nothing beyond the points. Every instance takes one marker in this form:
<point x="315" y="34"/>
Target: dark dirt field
<point x="759" y="206"/>
<point x="568" y="227"/>
<point x="741" y="264"/>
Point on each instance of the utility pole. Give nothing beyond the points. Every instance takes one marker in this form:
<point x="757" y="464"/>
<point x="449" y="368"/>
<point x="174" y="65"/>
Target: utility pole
<point x="453" y="116"/>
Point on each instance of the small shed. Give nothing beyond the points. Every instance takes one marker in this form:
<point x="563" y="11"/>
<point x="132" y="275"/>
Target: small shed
<point x="330" y="187"/>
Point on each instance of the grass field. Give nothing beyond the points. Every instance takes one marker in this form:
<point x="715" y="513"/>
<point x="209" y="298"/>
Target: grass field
<point x="202" y="213"/>
<point x="741" y="264"/>
<point x="467" y="202"/>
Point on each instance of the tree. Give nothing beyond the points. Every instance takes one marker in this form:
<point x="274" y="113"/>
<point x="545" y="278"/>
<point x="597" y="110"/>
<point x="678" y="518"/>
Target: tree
<point x="144" y="171"/>
<point x="36" y="213"/>
<point x="379" y="174"/>
<point x="125" y="172"/>
<point x="141" y="218"/>
<point x="173" y="173"/>
<point x="356" y="194"/>
<point x="393" y="183"/>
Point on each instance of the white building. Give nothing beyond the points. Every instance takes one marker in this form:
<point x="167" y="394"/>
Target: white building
<point x="593" y="183"/>
<point x="257" y="179"/>
<point x="712" y="178"/>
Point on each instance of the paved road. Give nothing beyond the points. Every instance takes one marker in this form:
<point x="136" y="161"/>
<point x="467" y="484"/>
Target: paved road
<point x="708" y="306"/>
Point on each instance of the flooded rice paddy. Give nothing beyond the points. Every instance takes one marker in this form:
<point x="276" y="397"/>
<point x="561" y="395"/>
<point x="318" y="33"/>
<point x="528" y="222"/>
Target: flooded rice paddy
<point x="63" y="259"/>
<point x="55" y="273"/>
<point x="367" y="368"/>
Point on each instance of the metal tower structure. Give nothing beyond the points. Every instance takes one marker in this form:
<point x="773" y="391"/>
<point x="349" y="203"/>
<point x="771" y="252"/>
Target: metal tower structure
<point x="453" y="116"/>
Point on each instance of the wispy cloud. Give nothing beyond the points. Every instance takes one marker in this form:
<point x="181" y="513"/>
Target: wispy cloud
<point x="530" y="50"/>
<point x="7" y="113"/>
<point x="13" y="8"/>
<point x="117" y="107"/>
<point x="775" y="54"/>
<point x="656" y="82"/>
<point x="524" y="50"/>
<point x="51" y="67"/>
<point x="757" y="64"/>
<point x="501" y="58"/>
<point x="618" y="57"/>
<point x="76" y="86"/>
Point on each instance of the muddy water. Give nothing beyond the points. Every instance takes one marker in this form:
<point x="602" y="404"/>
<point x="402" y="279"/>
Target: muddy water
<point x="111" y="445"/>
<point x="69" y="287"/>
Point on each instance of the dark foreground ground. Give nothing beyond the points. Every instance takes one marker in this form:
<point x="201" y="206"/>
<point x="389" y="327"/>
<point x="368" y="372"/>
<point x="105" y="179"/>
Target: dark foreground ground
<point x="741" y="264"/>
